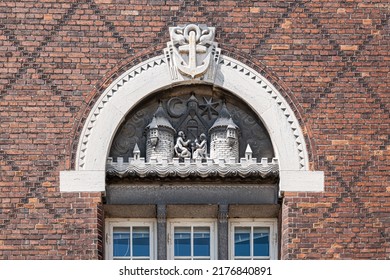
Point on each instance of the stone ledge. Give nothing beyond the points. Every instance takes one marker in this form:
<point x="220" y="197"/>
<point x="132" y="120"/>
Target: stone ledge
<point x="298" y="181"/>
<point x="82" y="181"/>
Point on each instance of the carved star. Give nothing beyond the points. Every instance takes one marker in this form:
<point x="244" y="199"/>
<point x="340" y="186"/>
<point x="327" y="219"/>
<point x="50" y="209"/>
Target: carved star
<point x="208" y="108"/>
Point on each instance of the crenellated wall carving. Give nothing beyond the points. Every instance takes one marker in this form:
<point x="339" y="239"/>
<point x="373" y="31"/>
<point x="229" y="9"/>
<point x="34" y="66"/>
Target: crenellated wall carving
<point x="192" y="130"/>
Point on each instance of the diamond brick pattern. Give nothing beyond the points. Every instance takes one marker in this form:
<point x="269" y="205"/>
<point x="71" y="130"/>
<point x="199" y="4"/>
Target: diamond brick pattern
<point x="329" y="59"/>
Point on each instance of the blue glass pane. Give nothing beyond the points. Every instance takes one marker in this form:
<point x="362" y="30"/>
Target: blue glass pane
<point x="201" y="241"/>
<point x="121" y="242"/>
<point x="141" y="242"/>
<point x="261" y="242"/>
<point x="182" y="241"/>
<point x="242" y="245"/>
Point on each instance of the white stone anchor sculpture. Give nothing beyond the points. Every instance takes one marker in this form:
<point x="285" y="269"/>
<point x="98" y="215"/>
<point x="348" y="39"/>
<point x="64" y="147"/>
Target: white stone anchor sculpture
<point x="192" y="51"/>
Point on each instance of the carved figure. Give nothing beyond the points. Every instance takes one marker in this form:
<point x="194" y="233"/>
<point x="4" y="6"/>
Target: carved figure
<point x="200" y="148"/>
<point x="181" y="149"/>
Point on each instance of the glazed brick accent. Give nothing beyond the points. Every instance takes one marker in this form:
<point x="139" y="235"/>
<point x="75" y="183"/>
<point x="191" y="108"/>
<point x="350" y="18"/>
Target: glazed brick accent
<point x="330" y="59"/>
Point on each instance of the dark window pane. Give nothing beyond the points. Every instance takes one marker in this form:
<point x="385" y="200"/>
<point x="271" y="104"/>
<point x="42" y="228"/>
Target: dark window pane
<point x="201" y="241"/>
<point x="242" y="241"/>
<point x="121" y="242"/>
<point x="261" y="241"/>
<point x="141" y="241"/>
<point x="182" y="241"/>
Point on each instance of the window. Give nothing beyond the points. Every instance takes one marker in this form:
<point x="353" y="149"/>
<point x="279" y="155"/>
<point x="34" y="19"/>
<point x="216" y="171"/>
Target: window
<point x="130" y="239"/>
<point x="192" y="239"/>
<point x="253" y="239"/>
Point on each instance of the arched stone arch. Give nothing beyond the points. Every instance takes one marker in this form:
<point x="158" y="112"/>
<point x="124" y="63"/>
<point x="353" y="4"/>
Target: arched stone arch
<point x="157" y="74"/>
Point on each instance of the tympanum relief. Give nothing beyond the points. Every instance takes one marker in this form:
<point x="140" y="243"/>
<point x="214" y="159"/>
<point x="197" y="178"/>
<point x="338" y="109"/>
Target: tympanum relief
<point x="192" y="131"/>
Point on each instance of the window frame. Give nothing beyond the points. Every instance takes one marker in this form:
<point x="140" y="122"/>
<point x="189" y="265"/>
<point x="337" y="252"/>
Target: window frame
<point x="172" y="223"/>
<point x="120" y="222"/>
<point x="254" y="222"/>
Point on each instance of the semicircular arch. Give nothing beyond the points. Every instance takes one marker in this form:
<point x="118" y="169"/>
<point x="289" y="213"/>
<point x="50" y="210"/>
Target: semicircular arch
<point x="154" y="75"/>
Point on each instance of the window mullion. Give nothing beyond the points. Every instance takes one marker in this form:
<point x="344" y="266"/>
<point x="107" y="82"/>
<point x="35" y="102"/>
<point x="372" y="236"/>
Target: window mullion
<point x="131" y="242"/>
<point x="192" y="242"/>
<point x="150" y="241"/>
<point x="251" y="242"/>
<point x="111" y="242"/>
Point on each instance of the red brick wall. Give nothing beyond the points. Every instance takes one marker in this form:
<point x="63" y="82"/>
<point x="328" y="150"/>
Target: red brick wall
<point x="329" y="58"/>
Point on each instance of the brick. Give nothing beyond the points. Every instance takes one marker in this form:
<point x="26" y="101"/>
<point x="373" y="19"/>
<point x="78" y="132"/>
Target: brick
<point x="287" y="24"/>
<point x="280" y="47"/>
<point x="367" y="21"/>
<point x="103" y="1"/>
<point x="329" y="61"/>
<point x="130" y="12"/>
<point x="40" y="226"/>
<point x="349" y="47"/>
<point x="48" y="17"/>
<point x="340" y="142"/>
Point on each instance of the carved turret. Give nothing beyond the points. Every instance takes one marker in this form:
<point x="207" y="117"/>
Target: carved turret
<point x="224" y="137"/>
<point x="136" y="153"/>
<point x="159" y="137"/>
<point x="248" y="153"/>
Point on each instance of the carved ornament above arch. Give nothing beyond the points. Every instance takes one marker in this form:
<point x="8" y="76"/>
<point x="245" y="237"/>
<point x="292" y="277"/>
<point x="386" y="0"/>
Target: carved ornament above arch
<point x="162" y="72"/>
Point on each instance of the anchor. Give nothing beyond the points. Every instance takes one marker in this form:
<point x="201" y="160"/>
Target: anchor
<point x="192" y="34"/>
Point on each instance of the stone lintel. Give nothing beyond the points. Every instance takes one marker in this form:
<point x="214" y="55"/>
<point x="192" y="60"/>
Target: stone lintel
<point x="192" y="193"/>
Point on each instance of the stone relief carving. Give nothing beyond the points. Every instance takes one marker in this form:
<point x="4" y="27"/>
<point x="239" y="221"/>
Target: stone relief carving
<point x="159" y="136"/>
<point x="200" y="151"/>
<point x="181" y="147"/>
<point x="187" y="137"/>
<point x="243" y="169"/>
<point x="192" y="52"/>
<point x="120" y="147"/>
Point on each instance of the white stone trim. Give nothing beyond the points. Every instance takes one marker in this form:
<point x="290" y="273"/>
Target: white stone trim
<point x="82" y="180"/>
<point x="298" y="180"/>
<point x="153" y="75"/>
<point x="113" y="105"/>
<point x="217" y="167"/>
<point x="271" y="107"/>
